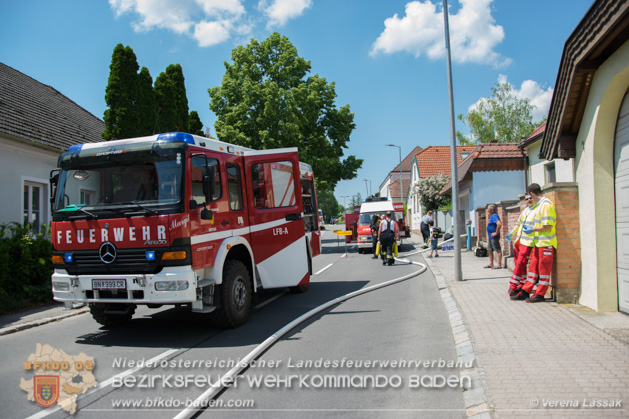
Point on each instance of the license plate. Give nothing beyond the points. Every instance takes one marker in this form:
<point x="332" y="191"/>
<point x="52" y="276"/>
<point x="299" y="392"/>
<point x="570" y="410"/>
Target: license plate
<point x="109" y="284"/>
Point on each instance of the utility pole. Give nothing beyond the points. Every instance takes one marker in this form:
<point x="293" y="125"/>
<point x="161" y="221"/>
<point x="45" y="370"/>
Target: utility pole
<point x="458" y="275"/>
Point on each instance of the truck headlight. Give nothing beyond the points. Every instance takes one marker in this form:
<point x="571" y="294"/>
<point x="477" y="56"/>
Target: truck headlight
<point x="60" y="286"/>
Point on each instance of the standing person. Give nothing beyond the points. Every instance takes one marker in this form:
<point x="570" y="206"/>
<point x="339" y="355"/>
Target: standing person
<point x="383" y="253"/>
<point x="434" y="240"/>
<point x="545" y="245"/>
<point x="425" y="227"/>
<point x="493" y="238"/>
<point x="375" y="226"/>
<point x="389" y="233"/>
<point x="523" y="244"/>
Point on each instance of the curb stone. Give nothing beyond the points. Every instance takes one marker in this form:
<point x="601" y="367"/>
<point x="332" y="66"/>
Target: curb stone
<point x="475" y="399"/>
<point x="28" y="325"/>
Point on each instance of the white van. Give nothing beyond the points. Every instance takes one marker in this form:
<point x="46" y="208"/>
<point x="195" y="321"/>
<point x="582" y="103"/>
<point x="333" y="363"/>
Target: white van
<point x="369" y="208"/>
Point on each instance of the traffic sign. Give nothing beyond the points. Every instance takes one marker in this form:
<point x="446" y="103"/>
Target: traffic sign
<point x="344" y="233"/>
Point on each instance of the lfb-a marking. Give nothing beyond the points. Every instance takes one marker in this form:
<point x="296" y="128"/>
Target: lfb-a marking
<point x="278" y="231"/>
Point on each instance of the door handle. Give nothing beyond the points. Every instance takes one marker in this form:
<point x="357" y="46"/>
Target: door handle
<point x="224" y="223"/>
<point x="293" y="216"/>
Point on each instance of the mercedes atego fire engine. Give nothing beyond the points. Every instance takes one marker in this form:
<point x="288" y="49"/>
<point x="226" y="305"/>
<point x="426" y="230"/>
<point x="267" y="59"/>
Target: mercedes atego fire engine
<point x="179" y="219"/>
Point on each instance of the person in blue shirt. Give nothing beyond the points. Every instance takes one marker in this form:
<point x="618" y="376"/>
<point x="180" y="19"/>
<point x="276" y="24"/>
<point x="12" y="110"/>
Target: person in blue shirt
<point x="493" y="238"/>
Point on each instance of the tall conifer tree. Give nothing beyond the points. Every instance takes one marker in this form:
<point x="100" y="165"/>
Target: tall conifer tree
<point x="121" y="95"/>
<point x="147" y="106"/>
<point x="172" y="103"/>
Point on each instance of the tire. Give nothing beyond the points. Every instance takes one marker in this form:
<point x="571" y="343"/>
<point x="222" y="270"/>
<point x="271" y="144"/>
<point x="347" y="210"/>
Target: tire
<point x="299" y="289"/>
<point x="111" y="314"/>
<point x="360" y="251"/>
<point x="234" y="296"/>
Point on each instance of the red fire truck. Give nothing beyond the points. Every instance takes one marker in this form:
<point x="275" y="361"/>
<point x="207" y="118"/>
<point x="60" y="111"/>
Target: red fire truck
<point x="179" y="219"/>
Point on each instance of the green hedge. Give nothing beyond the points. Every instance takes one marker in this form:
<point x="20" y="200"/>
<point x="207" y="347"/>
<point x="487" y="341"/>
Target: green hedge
<point x="25" y="267"/>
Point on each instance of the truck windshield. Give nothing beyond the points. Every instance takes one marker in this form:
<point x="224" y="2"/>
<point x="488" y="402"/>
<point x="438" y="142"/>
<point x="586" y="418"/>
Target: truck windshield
<point x="366" y="218"/>
<point x="145" y="177"/>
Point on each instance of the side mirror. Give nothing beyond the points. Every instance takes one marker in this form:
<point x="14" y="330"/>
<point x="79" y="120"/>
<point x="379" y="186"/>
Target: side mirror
<point x="54" y="181"/>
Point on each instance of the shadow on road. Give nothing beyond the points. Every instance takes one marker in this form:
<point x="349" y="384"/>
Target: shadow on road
<point x="178" y="327"/>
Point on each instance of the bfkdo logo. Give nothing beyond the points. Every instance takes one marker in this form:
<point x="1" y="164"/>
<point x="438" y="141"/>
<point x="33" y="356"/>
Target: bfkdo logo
<point x="46" y="389"/>
<point x="59" y="378"/>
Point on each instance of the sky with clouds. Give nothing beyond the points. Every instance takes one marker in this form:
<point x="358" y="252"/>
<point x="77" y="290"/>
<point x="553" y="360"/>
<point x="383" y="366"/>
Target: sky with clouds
<point x="387" y="58"/>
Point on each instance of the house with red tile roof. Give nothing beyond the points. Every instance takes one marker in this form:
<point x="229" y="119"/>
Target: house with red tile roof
<point x="37" y="123"/>
<point x="431" y="161"/>
<point x="493" y="172"/>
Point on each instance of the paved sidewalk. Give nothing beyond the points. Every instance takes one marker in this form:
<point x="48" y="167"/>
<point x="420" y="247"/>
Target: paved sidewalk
<point x="537" y="360"/>
<point x="11" y="323"/>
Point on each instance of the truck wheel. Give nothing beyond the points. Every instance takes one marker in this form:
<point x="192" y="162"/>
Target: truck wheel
<point x="234" y="296"/>
<point x="111" y="315"/>
<point x="299" y="289"/>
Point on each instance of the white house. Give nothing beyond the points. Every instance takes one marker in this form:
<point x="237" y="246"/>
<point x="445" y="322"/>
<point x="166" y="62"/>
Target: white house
<point x="37" y="123"/>
<point x="430" y="161"/>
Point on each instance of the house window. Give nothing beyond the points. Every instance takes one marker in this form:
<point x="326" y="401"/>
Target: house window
<point x="464" y="155"/>
<point x="33" y="205"/>
<point x="551" y="177"/>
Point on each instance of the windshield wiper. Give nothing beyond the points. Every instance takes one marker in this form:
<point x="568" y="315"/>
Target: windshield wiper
<point x="77" y="208"/>
<point x="148" y="210"/>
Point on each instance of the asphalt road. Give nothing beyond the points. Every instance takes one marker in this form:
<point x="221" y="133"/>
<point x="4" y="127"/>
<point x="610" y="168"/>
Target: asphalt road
<point x="364" y="357"/>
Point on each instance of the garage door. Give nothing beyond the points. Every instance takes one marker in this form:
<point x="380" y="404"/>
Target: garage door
<point x="621" y="164"/>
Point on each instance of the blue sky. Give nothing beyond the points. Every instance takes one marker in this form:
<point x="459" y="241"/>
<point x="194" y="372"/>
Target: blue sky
<point x="385" y="56"/>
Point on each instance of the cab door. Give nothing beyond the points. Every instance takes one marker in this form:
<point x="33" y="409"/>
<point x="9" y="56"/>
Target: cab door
<point x="207" y="233"/>
<point x="276" y="217"/>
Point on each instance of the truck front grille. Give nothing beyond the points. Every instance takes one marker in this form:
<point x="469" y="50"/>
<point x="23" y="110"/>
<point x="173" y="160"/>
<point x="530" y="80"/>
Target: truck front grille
<point x="128" y="261"/>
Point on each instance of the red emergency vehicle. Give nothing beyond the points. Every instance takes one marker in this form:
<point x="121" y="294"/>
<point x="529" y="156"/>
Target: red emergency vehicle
<point x="179" y="219"/>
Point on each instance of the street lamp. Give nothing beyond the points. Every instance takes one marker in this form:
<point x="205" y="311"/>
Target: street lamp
<point x="401" y="190"/>
<point x="345" y="196"/>
<point x="367" y="180"/>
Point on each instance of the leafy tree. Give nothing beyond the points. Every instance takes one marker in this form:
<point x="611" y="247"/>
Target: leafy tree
<point x="147" y="107"/>
<point x="328" y="204"/>
<point x="266" y="101"/>
<point x="195" y="126"/>
<point x="121" y="95"/>
<point x="502" y="117"/>
<point x="428" y="189"/>
<point x="356" y="201"/>
<point x="172" y="102"/>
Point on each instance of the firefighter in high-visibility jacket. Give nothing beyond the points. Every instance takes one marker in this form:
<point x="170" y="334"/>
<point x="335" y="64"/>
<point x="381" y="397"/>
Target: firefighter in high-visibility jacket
<point x="545" y="246"/>
<point x="523" y="244"/>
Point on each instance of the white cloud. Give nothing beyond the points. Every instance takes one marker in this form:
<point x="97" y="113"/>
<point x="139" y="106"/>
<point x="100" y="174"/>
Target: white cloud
<point x="473" y="33"/>
<point x="211" y="33"/>
<point x="210" y="22"/>
<point x="281" y="11"/>
<point x="529" y="89"/>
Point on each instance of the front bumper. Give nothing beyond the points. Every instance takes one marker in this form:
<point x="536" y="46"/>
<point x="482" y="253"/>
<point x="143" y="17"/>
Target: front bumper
<point x="139" y="289"/>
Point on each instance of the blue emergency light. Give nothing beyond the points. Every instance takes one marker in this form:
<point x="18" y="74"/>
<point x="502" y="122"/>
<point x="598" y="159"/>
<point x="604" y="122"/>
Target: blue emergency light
<point x="150" y="255"/>
<point x="181" y="137"/>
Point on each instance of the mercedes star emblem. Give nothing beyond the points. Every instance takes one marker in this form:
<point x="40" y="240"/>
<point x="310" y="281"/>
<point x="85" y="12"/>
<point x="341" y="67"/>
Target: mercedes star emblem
<point x="107" y="252"/>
